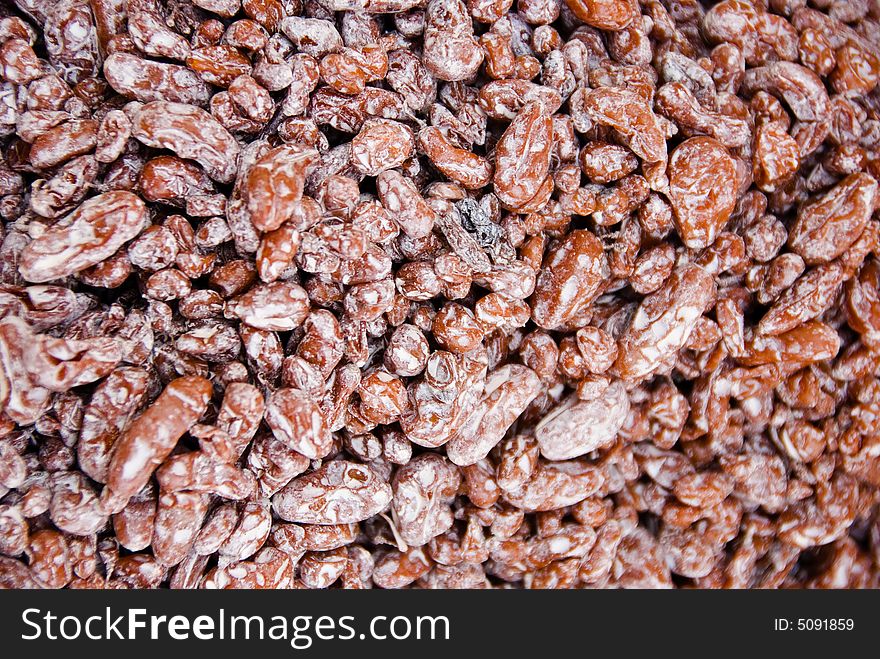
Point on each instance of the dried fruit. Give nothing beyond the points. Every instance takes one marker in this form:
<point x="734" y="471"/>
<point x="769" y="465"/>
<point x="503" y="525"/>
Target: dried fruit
<point x="439" y="294"/>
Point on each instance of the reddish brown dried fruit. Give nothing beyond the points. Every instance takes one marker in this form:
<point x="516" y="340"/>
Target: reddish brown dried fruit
<point x="451" y="51"/>
<point x="702" y="189"/>
<point x="218" y="65"/>
<point x="577" y="427"/>
<point x="277" y="306"/>
<point x="297" y="421"/>
<point x="663" y="322"/>
<point x="340" y="492"/>
<point x="152" y="436"/>
<point x="92" y="233"/>
<point x="375" y="198"/>
<point x="462" y="166"/>
<point x="275" y="185"/>
<point x="381" y="145"/>
<point x="522" y="156"/>
<point x="571" y="278"/>
<point x="146" y="80"/>
<point x="626" y="113"/>
<point x="423" y="491"/>
<point x="827" y="227"/>
<point x="605" y="14"/>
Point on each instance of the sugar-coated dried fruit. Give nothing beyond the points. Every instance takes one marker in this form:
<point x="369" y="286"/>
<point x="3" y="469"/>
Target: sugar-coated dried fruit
<point x="439" y="294"/>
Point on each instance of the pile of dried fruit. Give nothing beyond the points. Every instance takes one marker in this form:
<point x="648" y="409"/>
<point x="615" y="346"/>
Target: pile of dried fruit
<point x="310" y="293"/>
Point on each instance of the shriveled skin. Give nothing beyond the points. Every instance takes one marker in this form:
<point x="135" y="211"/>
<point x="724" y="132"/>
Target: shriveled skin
<point x="14" y="531"/>
<point x="506" y="394"/>
<point x="639" y="561"/>
<point x="349" y="71"/>
<point x="270" y="569"/>
<point x="172" y="180"/>
<point x="75" y="507"/>
<point x="603" y="162"/>
<point x="400" y="196"/>
<point x="631" y="118"/>
<point x="826" y="228"/>
<point x="62" y="142"/>
<point x="219" y="64"/>
<point x="503" y="99"/>
<point x="147" y="80"/>
<point x="179" y="517"/>
<point x="340" y="492"/>
<point x="18" y="61"/>
<point x="557" y="484"/>
<point x="759" y="35"/>
<point x="805" y="300"/>
<point x="197" y="471"/>
<point x="72" y="39"/>
<point x="777" y="157"/>
<point x="60" y="364"/>
<point x="469" y="169"/>
<point x="278" y="306"/>
<point x="150" y="438"/>
<point x="577" y="427"/>
<point x="702" y="189"/>
<point x="89" y="235"/>
<point x="807" y="343"/>
<point x="381" y="144"/>
<point x="312" y="36"/>
<point x="150" y="33"/>
<point x="297" y="421"/>
<point x="863" y="303"/>
<point x="663" y="322"/>
<point x="275" y="185"/>
<point x="411" y="79"/>
<point x="435" y="416"/>
<point x="451" y="50"/>
<point x="224" y="8"/>
<point x="314" y="537"/>
<point x="517" y="462"/>
<point x="23" y="401"/>
<point x="134" y="523"/>
<point x="49" y="560"/>
<point x="423" y="491"/>
<point x="571" y="278"/>
<point x="114" y="402"/>
<point x="605" y="14"/>
<point x="801" y="89"/>
<point x="675" y="101"/>
<point x="113" y="135"/>
<point x="253" y="527"/>
<point x="398" y="569"/>
<point x="240" y="413"/>
<point x="190" y="132"/>
<point x="385" y="6"/>
<point x="522" y="156"/>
